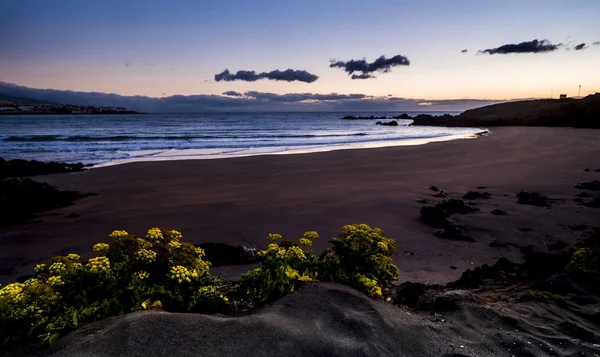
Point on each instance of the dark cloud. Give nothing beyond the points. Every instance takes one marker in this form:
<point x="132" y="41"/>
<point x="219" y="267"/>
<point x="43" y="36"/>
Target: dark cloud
<point x="232" y="93"/>
<point x="464" y="51"/>
<point x="362" y="76"/>
<point x="364" y="68"/>
<point x="247" y="102"/>
<point x="300" y="97"/>
<point x="596" y="43"/>
<point x="289" y="75"/>
<point x="580" y="47"/>
<point x="534" y="46"/>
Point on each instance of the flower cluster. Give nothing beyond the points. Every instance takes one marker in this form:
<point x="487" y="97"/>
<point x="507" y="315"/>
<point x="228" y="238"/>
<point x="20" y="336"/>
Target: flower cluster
<point x="39" y="268"/>
<point x="11" y="291"/>
<point x="99" y="264"/>
<point x="55" y="281"/>
<point x="146" y="255"/>
<point x="141" y="275"/>
<point x="174" y="236"/>
<point x="200" y="252"/>
<point x="57" y="268"/>
<point x="118" y="234"/>
<point x="212" y="291"/>
<point x="155" y="235"/>
<point x="73" y="257"/>
<point x="101" y="248"/>
<point x="181" y="274"/>
<point x="305" y="242"/>
<point x="174" y="244"/>
<point x="273" y="237"/>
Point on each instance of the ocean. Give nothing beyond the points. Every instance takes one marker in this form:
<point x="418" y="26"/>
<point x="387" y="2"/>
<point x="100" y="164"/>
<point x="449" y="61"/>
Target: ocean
<point x="114" y="139"/>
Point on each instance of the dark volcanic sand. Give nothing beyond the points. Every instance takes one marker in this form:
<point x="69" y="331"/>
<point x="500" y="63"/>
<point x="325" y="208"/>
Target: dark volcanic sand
<point x="239" y="201"/>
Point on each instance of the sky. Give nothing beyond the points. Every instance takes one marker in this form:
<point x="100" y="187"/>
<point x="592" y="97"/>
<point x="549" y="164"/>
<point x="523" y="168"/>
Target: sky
<point x="164" y="48"/>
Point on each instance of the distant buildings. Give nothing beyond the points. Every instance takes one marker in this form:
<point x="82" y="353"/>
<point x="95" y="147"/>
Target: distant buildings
<point x="7" y="107"/>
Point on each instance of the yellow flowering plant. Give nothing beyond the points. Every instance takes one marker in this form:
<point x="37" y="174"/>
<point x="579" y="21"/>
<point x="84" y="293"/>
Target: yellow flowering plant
<point x="126" y="273"/>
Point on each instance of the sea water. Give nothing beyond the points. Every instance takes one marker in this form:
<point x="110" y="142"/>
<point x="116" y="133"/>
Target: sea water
<point x="113" y="139"/>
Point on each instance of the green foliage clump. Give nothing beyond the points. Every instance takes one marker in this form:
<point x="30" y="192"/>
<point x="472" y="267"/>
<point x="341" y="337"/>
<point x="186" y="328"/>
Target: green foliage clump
<point x="359" y="257"/>
<point x="541" y="296"/>
<point x="131" y="273"/>
<point x="585" y="262"/>
<point x="160" y="271"/>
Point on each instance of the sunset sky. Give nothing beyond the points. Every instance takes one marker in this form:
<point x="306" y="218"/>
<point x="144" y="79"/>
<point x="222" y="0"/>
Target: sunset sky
<point x="176" y="47"/>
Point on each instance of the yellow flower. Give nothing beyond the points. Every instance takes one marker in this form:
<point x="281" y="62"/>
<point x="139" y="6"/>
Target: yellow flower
<point x="55" y="281"/>
<point x="382" y="246"/>
<point x="174" y="244"/>
<point x="272" y="246"/>
<point x="175" y="235"/>
<point x="291" y="273"/>
<point x="200" y="252"/>
<point x="181" y="274"/>
<point x="311" y="235"/>
<point x="305" y="242"/>
<point x="305" y="278"/>
<point x="98" y="264"/>
<point x="73" y="256"/>
<point x="155" y="235"/>
<point x="39" y="268"/>
<point x="295" y="252"/>
<point x="118" y="234"/>
<point x="144" y="243"/>
<point x="101" y="248"/>
<point x="273" y="237"/>
<point x="57" y="268"/>
<point x="146" y="255"/>
<point x="11" y="291"/>
<point x="141" y="275"/>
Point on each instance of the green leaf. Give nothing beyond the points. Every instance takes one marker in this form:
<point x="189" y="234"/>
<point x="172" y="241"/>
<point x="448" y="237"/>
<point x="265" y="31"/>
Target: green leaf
<point x="54" y="338"/>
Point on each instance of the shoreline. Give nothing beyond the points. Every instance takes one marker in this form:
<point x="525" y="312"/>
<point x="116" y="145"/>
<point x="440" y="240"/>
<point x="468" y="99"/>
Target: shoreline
<point x="205" y="154"/>
<point x="240" y="200"/>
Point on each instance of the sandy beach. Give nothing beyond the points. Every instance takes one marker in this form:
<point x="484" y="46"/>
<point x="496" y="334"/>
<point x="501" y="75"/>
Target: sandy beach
<point x="240" y="200"/>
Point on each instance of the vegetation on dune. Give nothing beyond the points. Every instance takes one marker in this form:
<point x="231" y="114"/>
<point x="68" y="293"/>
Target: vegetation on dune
<point x="160" y="271"/>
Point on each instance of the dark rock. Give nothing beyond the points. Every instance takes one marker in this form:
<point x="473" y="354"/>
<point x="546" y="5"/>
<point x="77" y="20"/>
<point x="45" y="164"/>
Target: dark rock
<point x="595" y="203"/>
<point x="589" y="185"/>
<point x="389" y="123"/>
<point x="23" y="199"/>
<point x="532" y="198"/>
<point x="498" y="212"/>
<point x="578" y="200"/>
<point x="584" y="195"/>
<point x="423" y="201"/>
<point x="435" y="217"/>
<point x="498" y="244"/>
<point x="578" y="227"/>
<point x="220" y="254"/>
<point x="409" y="293"/>
<point x="453" y="206"/>
<point x="556" y="246"/>
<point x="453" y="267"/>
<point x="351" y="117"/>
<point x="402" y="116"/>
<point x="24" y="168"/>
<point x="480" y="187"/>
<point x="475" y="195"/>
<point x="434" y="188"/>
<point x="441" y="194"/>
<point x="586" y="170"/>
<point x="525" y="229"/>
<point x="454" y="233"/>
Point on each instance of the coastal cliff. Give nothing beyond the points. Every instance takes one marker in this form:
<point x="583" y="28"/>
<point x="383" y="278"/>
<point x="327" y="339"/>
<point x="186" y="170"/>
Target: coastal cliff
<point x="577" y="113"/>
